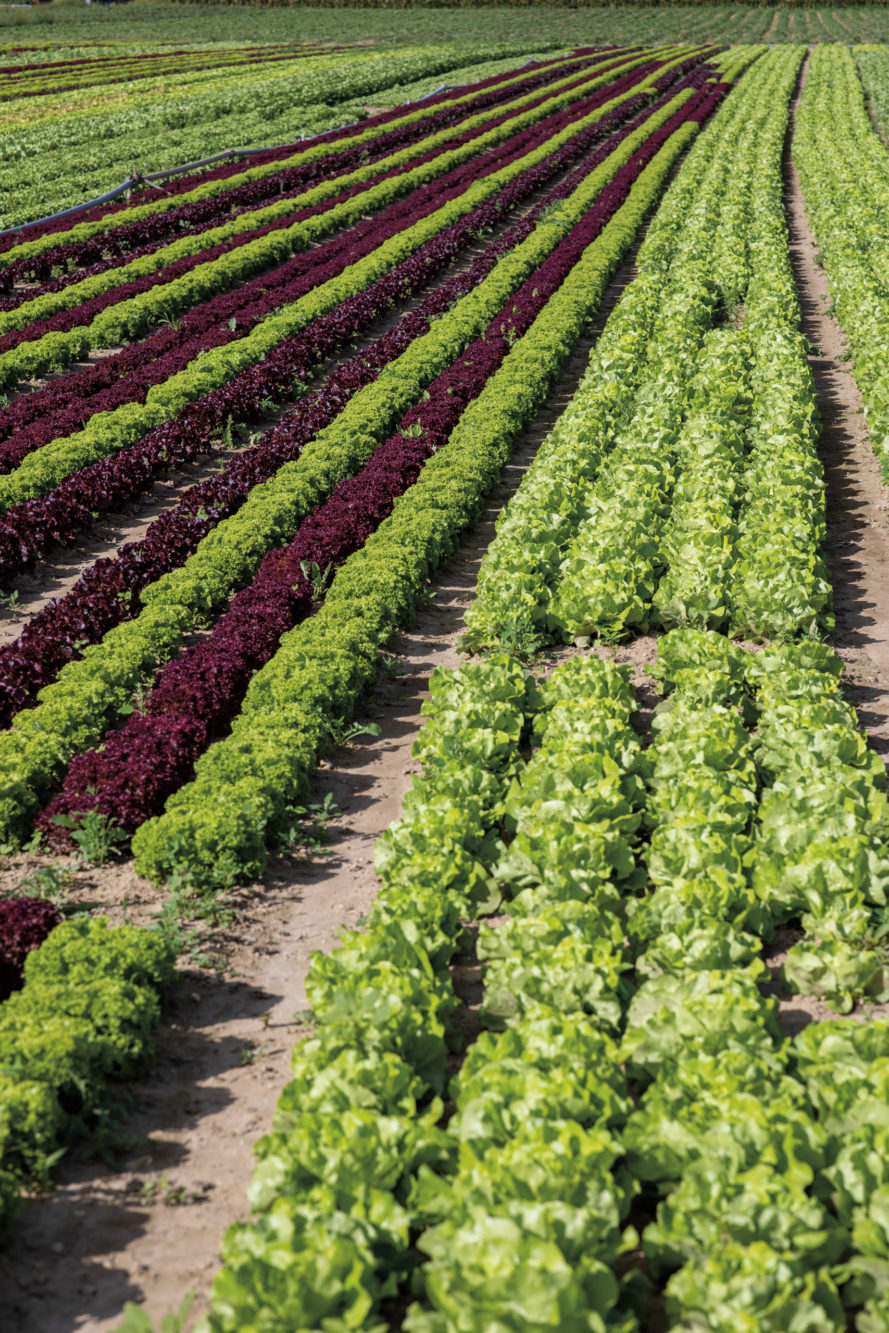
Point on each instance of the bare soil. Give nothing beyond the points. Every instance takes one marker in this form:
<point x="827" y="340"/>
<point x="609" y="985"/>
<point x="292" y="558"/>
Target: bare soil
<point x="857" y="547"/>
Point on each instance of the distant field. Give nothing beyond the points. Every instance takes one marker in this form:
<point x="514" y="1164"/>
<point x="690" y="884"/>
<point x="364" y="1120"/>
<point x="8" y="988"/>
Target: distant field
<point x="145" y="22"/>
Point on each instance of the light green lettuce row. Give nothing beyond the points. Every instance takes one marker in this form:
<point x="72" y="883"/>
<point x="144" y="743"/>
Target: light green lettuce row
<point x="778" y="587"/>
<point x="842" y="166"/>
<point x="697" y="546"/>
<point x="527" y="1230"/>
<point x="820" y="852"/>
<point x="609" y="572"/>
<point x="357" y="1126"/>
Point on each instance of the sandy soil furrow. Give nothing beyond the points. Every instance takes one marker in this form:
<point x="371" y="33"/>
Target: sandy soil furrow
<point x="857" y="549"/>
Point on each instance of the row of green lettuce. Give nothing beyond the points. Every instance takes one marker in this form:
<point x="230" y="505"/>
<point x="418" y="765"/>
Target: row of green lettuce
<point x="630" y="1129"/>
<point x="682" y="484"/>
<point x="79" y="1025"/>
<point x="842" y="165"/>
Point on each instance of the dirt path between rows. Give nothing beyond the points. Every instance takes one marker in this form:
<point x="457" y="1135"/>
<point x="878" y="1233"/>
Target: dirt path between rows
<point x="857" y="548"/>
<point x="105" y="1236"/>
<point x="857" y="545"/>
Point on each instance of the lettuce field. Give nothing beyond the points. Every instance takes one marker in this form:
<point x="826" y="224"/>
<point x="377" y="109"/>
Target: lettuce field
<point x="444" y="686"/>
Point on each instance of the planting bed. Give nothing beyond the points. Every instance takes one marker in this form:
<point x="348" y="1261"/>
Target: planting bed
<point x="540" y="372"/>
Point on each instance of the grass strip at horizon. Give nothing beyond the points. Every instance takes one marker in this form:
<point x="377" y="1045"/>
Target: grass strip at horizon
<point x="842" y="165"/>
<point x="641" y="415"/>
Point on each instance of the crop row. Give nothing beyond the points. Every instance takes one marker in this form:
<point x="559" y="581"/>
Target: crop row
<point x="85" y="996"/>
<point x="871" y="62"/>
<point x="682" y="484"/>
<point x="629" y="1064"/>
<point x="842" y="170"/>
